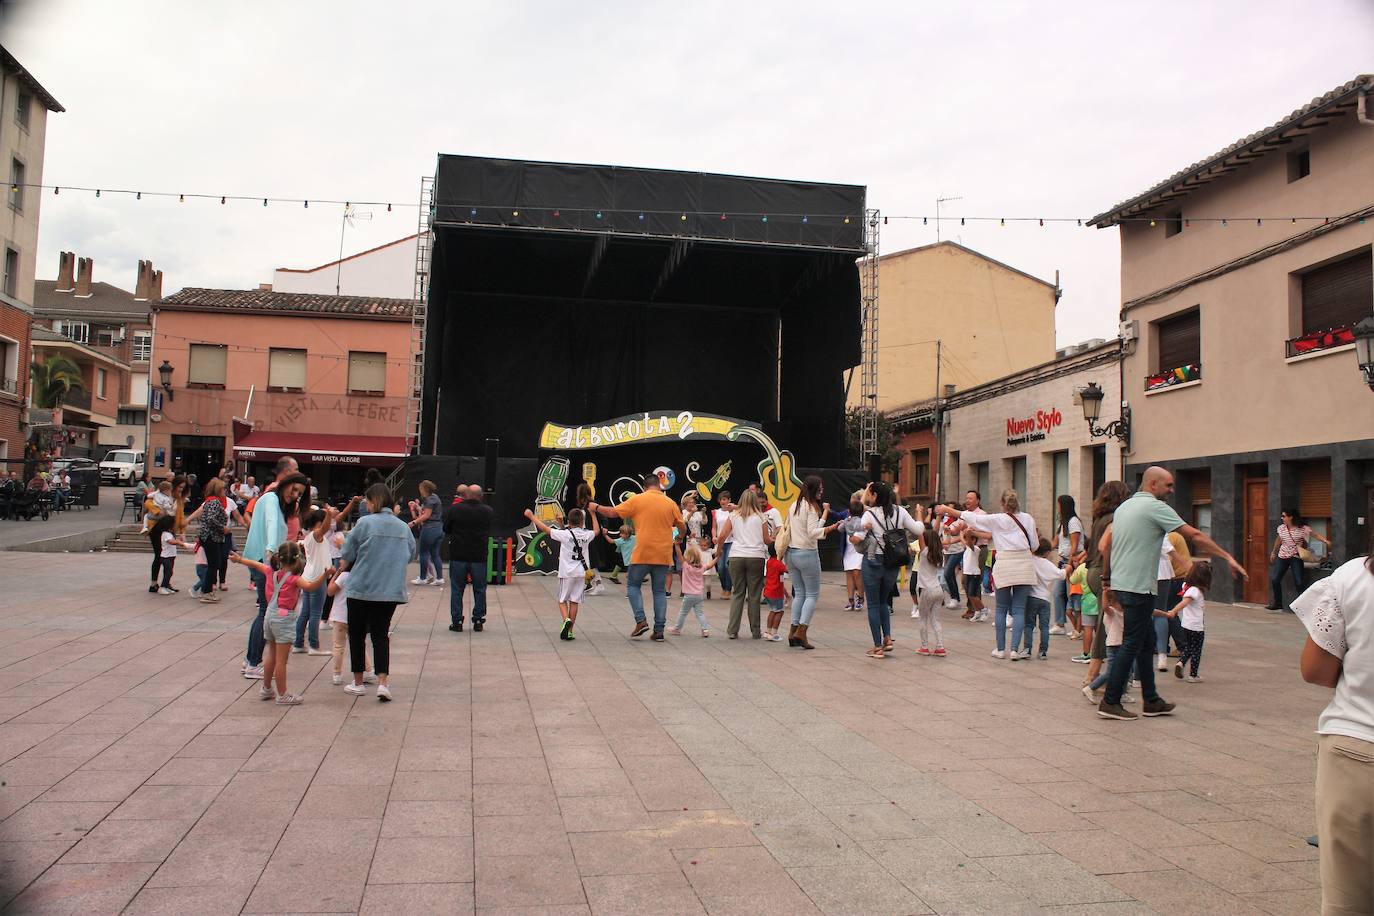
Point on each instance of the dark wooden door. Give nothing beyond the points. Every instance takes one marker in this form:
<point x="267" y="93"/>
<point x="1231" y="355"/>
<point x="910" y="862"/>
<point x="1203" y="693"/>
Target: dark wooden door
<point x="1256" y="558"/>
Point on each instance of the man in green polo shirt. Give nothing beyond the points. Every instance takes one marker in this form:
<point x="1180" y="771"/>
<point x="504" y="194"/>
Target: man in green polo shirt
<point x="1130" y="549"/>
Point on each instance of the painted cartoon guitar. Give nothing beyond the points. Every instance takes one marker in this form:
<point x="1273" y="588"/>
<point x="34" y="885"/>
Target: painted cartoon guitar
<point x="777" y="472"/>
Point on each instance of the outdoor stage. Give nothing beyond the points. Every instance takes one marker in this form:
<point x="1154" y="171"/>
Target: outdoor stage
<point x="587" y="297"/>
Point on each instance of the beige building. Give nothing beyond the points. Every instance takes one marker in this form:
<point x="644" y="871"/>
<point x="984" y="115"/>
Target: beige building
<point x="1240" y="279"/>
<point x="1026" y="432"/>
<point x="989" y="319"/>
<point x="24" y="108"/>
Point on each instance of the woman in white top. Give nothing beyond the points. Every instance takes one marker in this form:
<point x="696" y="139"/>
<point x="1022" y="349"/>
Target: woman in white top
<point x="880" y="579"/>
<point x="805" y="527"/>
<point x="1070" y="532"/>
<point x="1338" y="612"/>
<point x="751" y="534"/>
<point x="1014" y="538"/>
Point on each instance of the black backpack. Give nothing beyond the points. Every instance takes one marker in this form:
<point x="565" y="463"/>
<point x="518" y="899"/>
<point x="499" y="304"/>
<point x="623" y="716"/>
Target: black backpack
<point x="896" y="550"/>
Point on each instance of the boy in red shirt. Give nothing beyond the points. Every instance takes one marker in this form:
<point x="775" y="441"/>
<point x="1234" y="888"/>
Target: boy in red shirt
<point x="774" y="571"/>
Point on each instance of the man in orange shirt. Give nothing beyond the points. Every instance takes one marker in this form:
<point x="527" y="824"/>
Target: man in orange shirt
<point x="657" y="523"/>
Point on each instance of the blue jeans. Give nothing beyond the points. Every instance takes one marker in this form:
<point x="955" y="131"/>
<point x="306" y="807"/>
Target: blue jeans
<point x="1137" y="646"/>
<point x="657" y="574"/>
<point x="457" y="579"/>
<point x="1037" y="611"/>
<point x="1277" y="572"/>
<point x="951" y="573"/>
<point x="312" y="606"/>
<point x="1166" y="627"/>
<point x="1011" y="598"/>
<point x="1061" y="600"/>
<point x="1106" y="671"/>
<point x="256" y="642"/>
<point x="723" y="567"/>
<point x="879" y="582"/>
<point x="805" y="569"/>
<point x="431" y="540"/>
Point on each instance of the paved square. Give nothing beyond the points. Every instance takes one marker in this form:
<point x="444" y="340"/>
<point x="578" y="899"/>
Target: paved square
<point x="518" y="773"/>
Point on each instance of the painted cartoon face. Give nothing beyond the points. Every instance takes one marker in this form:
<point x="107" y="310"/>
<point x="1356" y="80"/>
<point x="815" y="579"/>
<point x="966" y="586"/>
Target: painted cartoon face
<point x="666" y="477"/>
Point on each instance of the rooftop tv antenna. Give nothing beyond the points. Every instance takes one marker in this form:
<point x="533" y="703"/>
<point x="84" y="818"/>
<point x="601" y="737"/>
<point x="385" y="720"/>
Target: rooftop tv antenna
<point x="350" y="217"/>
<point x="938" y="201"/>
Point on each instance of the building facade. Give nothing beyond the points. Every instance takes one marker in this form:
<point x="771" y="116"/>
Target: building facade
<point x="82" y="425"/>
<point x="257" y="374"/>
<point x="1026" y="432"/>
<point x="112" y="322"/>
<point x="953" y="316"/>
<point x="387" y="270"/>
<point x="1241" y="277"/>
<point x="24" y="109"/>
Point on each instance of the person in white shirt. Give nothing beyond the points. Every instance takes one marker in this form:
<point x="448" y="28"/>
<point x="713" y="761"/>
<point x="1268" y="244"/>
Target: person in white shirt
<point x="1070" y="537"/>
<point x="718" y="519"/>
<point x="1338" y="612"/>
<point x="806" y="527"/>
<point x="572" y="562"/>
<point x="972" y="570"/>
<point x="1014" y="537"/>
<point x="884" y="523"/>
<point x="1191" y="610"/>
<point x="338" y="623"/>
<point x="930" y="591"/>
<point x="1047" y="574"/>
<point x="748" y="535"/>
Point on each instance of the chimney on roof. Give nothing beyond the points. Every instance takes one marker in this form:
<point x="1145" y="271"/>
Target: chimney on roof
<point x="66" y="272"/>
<point x="83" y="277"/>
<point x="155" y="283"/>
<point x="148" y="286"/>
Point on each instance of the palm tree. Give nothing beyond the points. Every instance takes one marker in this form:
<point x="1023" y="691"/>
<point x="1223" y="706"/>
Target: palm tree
<point x="53" y="379"/>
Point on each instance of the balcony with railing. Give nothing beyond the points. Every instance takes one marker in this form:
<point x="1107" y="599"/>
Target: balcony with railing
<point x="1317" y="341"/>
<point x="79" y="399"/>
<point x="1173" y="377"/>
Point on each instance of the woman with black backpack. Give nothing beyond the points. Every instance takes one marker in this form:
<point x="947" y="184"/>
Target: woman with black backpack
<point x="883" y="542"/>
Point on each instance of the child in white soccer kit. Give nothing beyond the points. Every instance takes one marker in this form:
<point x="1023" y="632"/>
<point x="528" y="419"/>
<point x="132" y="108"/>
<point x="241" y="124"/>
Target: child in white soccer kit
<point x="572" y="562"/>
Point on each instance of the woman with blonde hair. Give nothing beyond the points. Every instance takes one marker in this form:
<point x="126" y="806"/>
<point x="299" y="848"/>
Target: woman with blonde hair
<point x="752" y="534"/>
<point x="1014" y="538"/>
<point x="428" y="522"/>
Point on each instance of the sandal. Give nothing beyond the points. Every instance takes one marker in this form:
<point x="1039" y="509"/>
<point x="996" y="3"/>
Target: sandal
<point x="888" y="644"/>
<point x="875" y="652"/>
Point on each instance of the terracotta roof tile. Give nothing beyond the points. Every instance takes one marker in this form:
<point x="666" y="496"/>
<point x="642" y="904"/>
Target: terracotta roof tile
<point x="268" y="301"/>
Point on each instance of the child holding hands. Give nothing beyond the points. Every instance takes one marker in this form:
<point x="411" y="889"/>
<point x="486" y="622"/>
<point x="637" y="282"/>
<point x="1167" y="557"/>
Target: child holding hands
<point x="284" y="587"/>
<point x="572" y="562"/>
<point x="1191" y="609"/>
<point x="694" y="561"/>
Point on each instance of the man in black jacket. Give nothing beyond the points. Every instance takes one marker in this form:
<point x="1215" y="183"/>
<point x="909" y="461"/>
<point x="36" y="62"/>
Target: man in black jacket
<point x="468" y="527"/>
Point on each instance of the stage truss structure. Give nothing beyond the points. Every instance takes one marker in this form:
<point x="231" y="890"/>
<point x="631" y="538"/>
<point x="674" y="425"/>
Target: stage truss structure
<point x="424" y="247"/>
<point x="868" y="366"/>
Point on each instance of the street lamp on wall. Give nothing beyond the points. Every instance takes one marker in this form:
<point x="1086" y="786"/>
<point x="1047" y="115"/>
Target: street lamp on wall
<point x="1364" y="348"/>
<point x="1092" y="397"/>
<point x="165" y="374"/>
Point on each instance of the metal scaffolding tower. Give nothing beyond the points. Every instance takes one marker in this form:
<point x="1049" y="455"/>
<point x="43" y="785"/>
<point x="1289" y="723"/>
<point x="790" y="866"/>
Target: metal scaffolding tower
<point x="424" y="244"/>
<point x="868" y="369"/>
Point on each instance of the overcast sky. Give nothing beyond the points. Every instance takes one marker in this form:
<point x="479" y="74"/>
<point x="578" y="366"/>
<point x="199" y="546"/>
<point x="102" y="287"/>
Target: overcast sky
<point x="1023" y="109"/>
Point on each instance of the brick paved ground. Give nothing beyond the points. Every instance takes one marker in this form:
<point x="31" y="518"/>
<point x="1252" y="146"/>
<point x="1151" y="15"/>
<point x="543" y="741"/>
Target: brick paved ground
<point x="517" y="773"/>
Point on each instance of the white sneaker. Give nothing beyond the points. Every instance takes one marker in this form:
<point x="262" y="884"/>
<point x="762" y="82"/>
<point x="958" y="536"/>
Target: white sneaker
<point x="338" y="679"/>
<point x="297" y="650"/>
<point x="952" y="603"/>
<point x="998" y="653"/>
<point x="195" y="591"/>
<point x="290" y="699"/>
<point x="356" y="690"/>
<point x="1056" y="630"/>
<point x="1193" y="679"/>
<point x="438" y="582"/>
<point x="252" y="673"/>
<point x="266" y="693"/>
<point x="1088" y="692"/>
<point x="319" y="652"/>
<point x="165" y="591"/>
<point x="369" y="676"/>
<point x="1025" y="653"/>
<point x="1161" y="662"/>
<point x="384" y="693"/>
<point x="418" y="580"/>
<point x="915" y="613"/>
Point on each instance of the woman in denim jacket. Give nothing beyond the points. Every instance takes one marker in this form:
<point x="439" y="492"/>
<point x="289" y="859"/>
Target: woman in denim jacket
<point x="376" y="552"/>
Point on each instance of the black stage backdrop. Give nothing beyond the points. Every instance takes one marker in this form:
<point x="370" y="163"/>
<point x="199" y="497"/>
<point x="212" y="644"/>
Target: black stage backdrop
<point x="537" y="318"/>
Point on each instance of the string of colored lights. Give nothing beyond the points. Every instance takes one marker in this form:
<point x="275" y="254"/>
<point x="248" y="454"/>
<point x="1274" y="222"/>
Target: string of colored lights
<point x="476" y="211"/>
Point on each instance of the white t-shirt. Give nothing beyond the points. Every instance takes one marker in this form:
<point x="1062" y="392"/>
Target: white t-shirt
<point x="875" y="524"/>
<point x="928" y="575"/>
<point x="718" y="519"/>
<point x="1338" y="612"/>
<point x="316" y="556"/>
<point x="1075" y="526"/>
<point x="970" y="564"/>
<point x="169" y="549"/>
<point x="1007" y="534"/>
<point x="338" y="612"/>
<point x="569" y="567"/>
<point x="1193" y="611"/>
<point x="747" y="536"/>
<point x="952" y="543"/>
<point x="335" y="541"/>
<point x="774" y="517"/>
<point x="1046" y="574"/>
<point x="1166" y="569"/>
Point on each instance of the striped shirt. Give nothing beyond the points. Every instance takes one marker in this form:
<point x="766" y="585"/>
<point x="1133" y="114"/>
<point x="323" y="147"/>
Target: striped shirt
<point x="1290" y="539"/>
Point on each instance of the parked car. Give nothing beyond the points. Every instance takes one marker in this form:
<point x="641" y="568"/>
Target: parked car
<point x="122" y="466"/>
<point x="72" y="464"/>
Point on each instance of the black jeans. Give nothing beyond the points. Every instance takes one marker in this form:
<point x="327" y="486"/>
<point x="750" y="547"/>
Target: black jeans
<point x="214" y="555"/>
<point x="1281" y="568"/>
<point x="1137" y="645"/>
<point x="366" y="617"/>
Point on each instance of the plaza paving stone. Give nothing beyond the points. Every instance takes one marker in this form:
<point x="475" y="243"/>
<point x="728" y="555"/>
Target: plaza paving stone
<point x="516" y="773"/>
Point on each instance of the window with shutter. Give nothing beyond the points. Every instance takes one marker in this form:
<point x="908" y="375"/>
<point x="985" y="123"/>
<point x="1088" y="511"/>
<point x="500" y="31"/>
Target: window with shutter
<point x="366" y="373"/>
<point x="208" y="364"/>
<point x="1314" y="489"/>
<point x="1338" y="295"/>
<point x="1179" y="341"/>
<point x="286" y="370"/>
